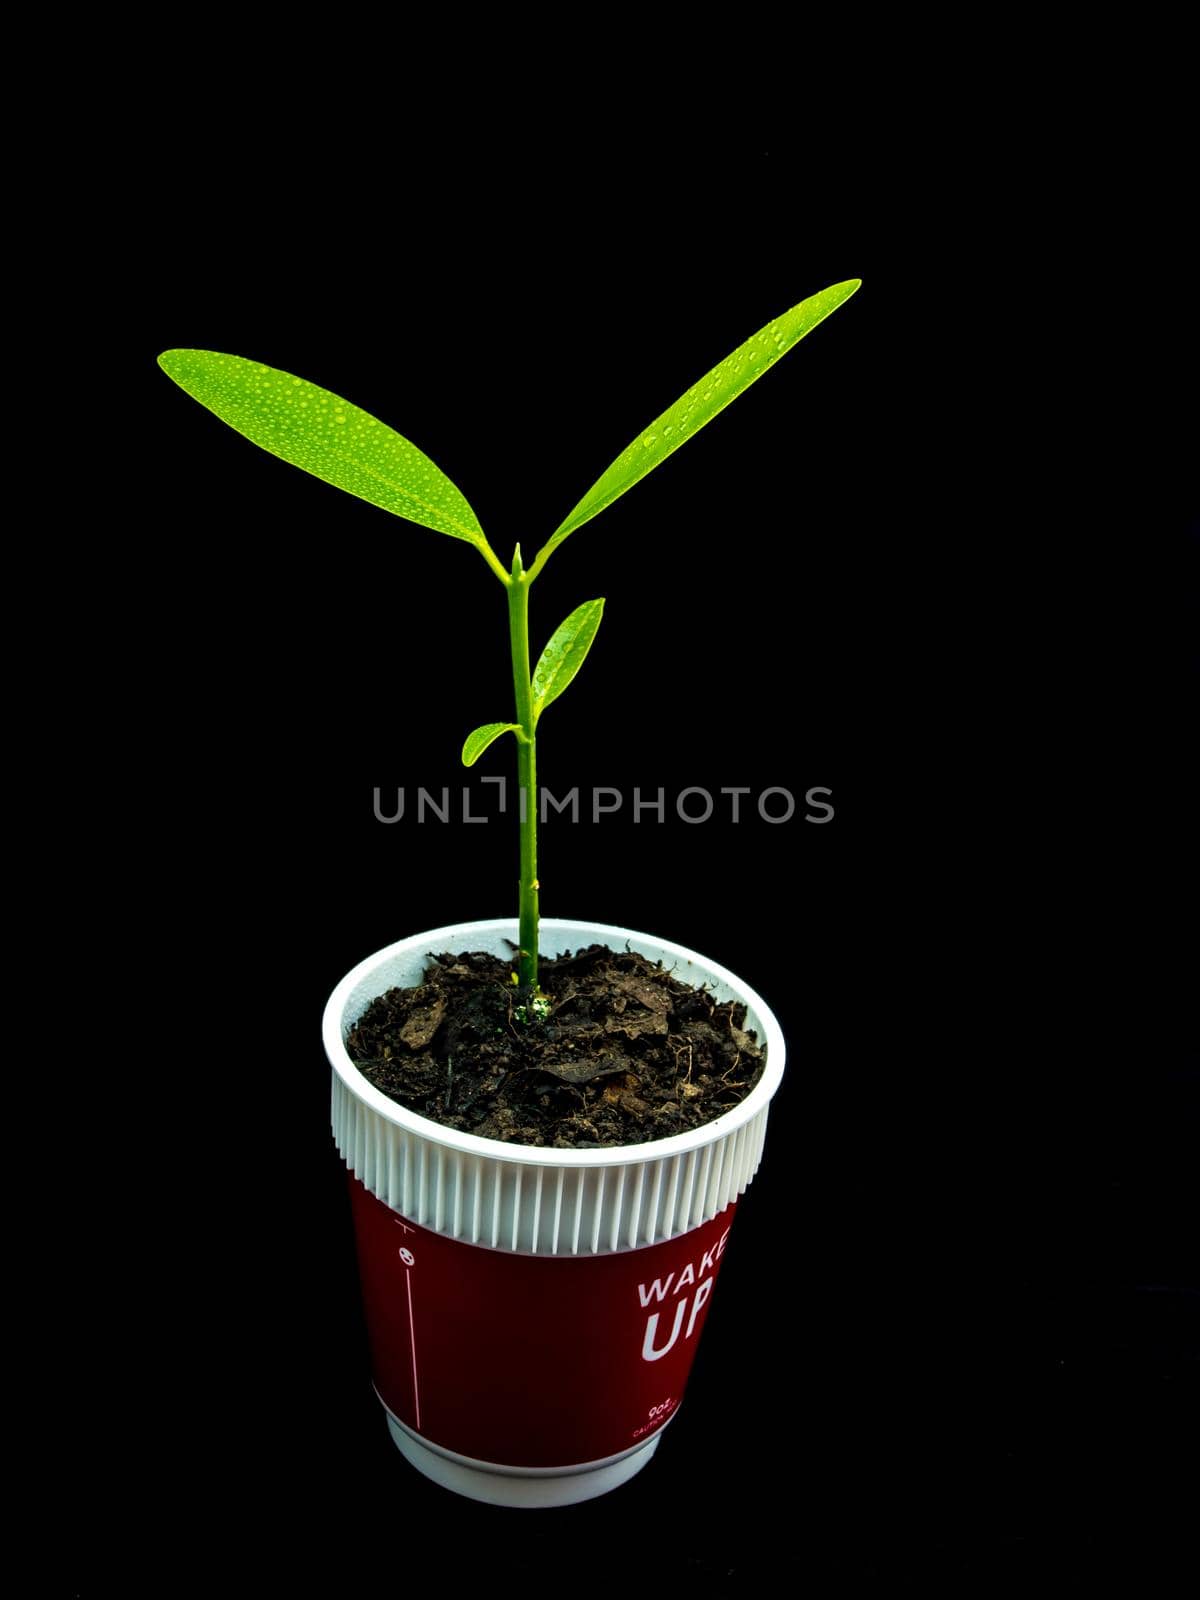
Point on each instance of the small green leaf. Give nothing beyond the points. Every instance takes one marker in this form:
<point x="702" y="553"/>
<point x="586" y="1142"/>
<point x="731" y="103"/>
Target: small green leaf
<point x="699" y="405"/>
<point x="327" y="436"/>
<point x="564" y="655"/>
<point x="477" y="742"/>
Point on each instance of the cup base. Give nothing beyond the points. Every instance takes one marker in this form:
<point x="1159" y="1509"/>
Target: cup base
<point x="496" y="1487"/>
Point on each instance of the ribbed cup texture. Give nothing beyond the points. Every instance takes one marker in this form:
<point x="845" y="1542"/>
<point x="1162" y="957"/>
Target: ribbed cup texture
<point x="545" y="1210"/>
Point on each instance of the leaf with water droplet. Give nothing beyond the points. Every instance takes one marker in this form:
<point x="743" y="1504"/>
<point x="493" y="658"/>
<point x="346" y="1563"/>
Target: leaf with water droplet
<point x="477" y="742"/>
<point x="702" y="402"/>
<point x="380" y="465"/>
<point x="564" y="655"/>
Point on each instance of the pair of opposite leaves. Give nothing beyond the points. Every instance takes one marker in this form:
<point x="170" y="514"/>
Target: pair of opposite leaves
<point x="354" y="451"/>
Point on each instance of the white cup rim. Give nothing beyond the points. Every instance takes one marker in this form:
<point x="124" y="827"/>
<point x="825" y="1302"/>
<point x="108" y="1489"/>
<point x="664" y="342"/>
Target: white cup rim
<point x="760" y="1017"/>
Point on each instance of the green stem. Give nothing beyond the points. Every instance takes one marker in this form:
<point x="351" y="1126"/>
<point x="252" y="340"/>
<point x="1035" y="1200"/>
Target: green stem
<point x="489" y="555"/>
<point x="518" y="632"/>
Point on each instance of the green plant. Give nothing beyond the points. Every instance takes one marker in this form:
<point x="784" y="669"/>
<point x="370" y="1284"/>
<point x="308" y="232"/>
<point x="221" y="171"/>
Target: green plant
<point x="347" y="447"/>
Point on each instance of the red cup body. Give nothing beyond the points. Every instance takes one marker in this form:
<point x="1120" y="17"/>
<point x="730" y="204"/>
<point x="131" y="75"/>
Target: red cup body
<point x="531" y="1361"/>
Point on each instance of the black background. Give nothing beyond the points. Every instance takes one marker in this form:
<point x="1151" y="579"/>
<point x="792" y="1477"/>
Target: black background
<point x="950" y="1334"/>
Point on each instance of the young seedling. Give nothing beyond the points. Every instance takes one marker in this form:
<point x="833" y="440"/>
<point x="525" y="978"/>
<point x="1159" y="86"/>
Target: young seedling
<point x="336" y="441"/>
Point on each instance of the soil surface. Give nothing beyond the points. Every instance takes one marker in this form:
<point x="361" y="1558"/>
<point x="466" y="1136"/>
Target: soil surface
<point x="618" y="1052"/>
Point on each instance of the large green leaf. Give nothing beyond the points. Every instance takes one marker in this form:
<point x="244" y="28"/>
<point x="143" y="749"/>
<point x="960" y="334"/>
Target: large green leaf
<point x="478" y="740"/>
<point x="699" y="405"/>
<point x="564" y="655"/>
<point x="326" y="436"/>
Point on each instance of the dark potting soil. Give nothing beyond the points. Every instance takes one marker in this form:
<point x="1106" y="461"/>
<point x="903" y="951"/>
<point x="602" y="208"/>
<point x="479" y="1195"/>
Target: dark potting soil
<point x="625" y="1052"/>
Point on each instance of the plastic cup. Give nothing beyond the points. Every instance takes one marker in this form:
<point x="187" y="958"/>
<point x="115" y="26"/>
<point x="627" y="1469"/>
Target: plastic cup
<point x="533" y="1313"/>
